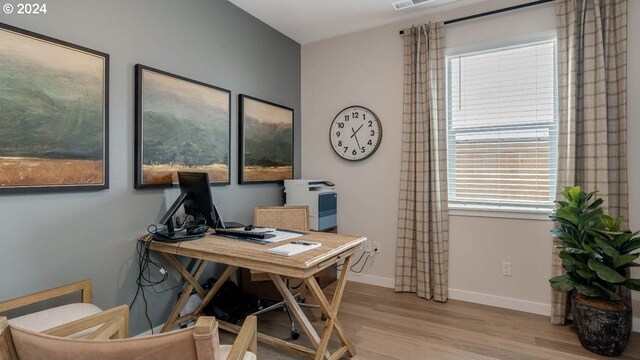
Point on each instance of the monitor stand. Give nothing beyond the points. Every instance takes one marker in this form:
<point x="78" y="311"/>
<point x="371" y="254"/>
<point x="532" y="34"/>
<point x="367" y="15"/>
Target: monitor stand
<point x="167" y="235"/>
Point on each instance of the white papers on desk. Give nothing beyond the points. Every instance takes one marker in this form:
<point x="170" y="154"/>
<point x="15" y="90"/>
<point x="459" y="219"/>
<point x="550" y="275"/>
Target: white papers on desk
<point x="281" y="235"/>
<point x="293" y="248"/>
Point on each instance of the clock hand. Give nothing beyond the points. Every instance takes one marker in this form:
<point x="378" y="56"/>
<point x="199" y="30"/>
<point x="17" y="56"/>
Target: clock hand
<point x="355" y="132"/>
<point x="354" y="135"/>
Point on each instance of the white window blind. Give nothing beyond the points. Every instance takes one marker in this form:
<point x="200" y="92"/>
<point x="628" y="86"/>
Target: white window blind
<point x="502" y="126"/>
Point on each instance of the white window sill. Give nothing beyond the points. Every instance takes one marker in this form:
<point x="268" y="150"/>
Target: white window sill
<point x="504" y="212"/>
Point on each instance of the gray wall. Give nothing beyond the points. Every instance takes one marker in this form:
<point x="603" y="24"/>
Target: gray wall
<point x="51" y="239"/>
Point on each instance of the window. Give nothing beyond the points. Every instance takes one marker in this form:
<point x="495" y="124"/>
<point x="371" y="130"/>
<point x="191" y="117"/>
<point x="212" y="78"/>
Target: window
<point x="502" y="127"/>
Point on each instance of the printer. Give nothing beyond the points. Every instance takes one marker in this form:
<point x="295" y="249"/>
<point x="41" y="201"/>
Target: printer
<point x="320" y="196"/>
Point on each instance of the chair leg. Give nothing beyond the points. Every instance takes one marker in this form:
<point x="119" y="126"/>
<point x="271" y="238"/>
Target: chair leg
<point x="270" y="308"/>
<point x="294" y="333"/>
<point x="281" y="304"/>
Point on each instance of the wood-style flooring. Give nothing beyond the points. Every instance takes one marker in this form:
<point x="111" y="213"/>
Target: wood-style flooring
<point x="384" y="325"/>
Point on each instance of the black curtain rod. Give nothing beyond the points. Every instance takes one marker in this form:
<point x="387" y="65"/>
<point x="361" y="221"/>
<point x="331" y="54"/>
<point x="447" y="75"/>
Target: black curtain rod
<point x="492" y="12"/>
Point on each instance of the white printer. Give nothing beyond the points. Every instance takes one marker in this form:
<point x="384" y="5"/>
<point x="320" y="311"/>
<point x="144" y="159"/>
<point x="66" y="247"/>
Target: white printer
<point x="321" y="198"/>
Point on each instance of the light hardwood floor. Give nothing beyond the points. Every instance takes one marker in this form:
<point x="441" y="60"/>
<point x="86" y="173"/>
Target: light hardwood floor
<point x="386" y="326"/>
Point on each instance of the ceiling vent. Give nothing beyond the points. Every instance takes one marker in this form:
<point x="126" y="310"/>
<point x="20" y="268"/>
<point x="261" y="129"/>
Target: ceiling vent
<point x="405" y="4"/>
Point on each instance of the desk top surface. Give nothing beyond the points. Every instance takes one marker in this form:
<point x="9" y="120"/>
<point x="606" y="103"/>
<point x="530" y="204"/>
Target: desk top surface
<point x="255" y="256"/>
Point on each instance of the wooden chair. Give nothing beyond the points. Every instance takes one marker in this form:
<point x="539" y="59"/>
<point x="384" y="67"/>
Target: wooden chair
<point x="282" y="217"/>
<point x="199" y="342"/>
<point x="83" y="331"/>
<point x="294" y="218"/>
<point x="58" y="315"/>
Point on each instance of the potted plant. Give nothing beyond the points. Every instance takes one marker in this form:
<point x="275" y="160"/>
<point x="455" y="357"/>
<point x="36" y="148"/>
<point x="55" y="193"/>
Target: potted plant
<point x="596" y="255"/>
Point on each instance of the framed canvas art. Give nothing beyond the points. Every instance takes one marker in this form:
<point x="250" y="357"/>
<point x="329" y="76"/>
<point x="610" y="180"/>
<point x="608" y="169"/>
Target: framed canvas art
<point x="181" y="125"/>
<point x="266" y="141"/>
<point x="54" y="117"/>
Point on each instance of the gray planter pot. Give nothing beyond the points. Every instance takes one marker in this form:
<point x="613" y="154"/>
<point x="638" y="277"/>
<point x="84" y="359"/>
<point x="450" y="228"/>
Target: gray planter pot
<point x="604" y="332"/>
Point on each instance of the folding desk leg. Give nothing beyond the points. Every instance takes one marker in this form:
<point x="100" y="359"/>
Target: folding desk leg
<point x="185" y="294"/>
<point x="294" y="307"/>
<point x="184" y="273"/>
<point x="331" y="310"/>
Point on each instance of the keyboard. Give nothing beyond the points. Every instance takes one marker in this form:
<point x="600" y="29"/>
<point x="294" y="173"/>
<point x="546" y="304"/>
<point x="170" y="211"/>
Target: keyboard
<point x="244" y="234"/>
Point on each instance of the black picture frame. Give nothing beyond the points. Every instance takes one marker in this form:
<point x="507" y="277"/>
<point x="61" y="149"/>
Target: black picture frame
<point x="59" y="149"/>
<point x="279" y="158"/>
<point x="199" y="146"/>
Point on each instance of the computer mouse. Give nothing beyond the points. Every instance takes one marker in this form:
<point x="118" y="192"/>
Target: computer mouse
<point x="249" y="228"/>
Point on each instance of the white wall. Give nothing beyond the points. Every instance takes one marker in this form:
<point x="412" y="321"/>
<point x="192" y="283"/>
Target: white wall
<point x="366" y="68"/>
<point x="360" y="69"/>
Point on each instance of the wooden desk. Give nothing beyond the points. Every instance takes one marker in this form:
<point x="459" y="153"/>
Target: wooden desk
<point x="237" y="253"/>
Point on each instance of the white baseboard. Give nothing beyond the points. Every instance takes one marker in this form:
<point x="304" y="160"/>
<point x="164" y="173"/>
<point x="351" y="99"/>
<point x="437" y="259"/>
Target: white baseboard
<point x="464" y="295"/>
<point x="501" y="301"/>
<point x="372" y="280"/>
<point x="512" y="304"/>
<point x="456" y="294"/>
<point x="470" y="296"/>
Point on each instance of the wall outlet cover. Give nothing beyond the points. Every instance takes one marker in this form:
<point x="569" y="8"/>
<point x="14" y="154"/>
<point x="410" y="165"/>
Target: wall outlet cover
<point x="506" y="268"/>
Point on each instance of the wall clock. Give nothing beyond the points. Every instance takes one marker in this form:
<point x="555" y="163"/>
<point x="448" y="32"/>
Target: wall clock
<point x="355" y="133"/>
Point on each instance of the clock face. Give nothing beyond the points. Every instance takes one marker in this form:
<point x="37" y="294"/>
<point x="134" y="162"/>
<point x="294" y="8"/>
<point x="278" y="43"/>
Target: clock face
<point x="355" y="133"/>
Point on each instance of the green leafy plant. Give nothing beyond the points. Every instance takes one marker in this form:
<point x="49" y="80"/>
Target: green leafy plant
<point x="595" y="253"/>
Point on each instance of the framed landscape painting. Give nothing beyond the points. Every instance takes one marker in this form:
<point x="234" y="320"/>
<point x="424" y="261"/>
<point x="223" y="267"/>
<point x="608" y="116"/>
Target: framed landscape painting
<point x="181" y="125"/>
<point x="266" y="141"/>
<point x="54" y="114"/>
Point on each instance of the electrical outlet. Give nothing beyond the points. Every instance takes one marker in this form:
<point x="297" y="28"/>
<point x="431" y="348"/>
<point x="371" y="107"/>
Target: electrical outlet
<point x="377" y="248"/>
<point x="368" y="248"/>
<point x="506" y="268"/>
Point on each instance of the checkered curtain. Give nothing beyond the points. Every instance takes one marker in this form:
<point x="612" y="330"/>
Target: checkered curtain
<point x="592" y="46"/>
<point x="422" y="256"/>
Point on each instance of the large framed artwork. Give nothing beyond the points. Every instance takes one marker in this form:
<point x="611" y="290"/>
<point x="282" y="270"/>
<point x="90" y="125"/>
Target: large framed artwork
<point x="265" y="142"/>
<point x="181" y="125"/>
<point x="54" y="114"/>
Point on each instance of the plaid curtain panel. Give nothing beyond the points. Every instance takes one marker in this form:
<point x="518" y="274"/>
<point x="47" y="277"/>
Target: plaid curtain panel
<point x="422" y="256"/>
<point x="592" y="46"/>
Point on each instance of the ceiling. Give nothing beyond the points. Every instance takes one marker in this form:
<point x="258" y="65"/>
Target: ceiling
<point x="306" y="21"/>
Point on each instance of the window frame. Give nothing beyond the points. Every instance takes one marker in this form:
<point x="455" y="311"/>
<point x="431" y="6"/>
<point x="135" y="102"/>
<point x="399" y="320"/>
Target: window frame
<point x="500" y="208"/>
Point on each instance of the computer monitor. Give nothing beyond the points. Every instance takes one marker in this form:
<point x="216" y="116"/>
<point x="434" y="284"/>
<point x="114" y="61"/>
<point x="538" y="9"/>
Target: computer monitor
<point x="195" y="195"/>
<point x="199" y="202"/>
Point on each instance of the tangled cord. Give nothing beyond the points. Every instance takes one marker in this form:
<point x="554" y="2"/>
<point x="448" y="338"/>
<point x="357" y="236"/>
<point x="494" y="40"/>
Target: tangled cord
<point x="145" y="263"/>
<point x="352" y="267"/>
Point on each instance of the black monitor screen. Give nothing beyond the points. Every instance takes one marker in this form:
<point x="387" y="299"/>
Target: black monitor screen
<point x="199" y="202"/>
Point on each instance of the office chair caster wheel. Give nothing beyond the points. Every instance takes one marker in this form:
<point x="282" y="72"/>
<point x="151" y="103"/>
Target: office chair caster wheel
<point x="323" y="317"/>
<point x="295" y="335"/>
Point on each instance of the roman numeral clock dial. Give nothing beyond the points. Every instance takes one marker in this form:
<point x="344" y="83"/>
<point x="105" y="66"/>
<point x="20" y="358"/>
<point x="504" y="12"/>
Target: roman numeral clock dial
<point x="355" y="133"/>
